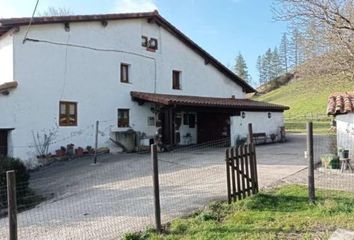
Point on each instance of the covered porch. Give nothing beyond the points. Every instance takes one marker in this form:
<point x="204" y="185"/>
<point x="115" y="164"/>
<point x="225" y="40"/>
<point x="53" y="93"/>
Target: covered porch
<point x="183" y="120"/>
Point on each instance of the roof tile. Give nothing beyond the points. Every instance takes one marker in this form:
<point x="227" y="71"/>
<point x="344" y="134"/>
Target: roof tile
<point x="340" y="103"/>
<point x="182" y="100"/>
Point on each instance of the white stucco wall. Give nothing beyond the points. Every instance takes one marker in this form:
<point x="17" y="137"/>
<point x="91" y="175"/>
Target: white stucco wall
<point x="260" y="124"/>
<point x="345" y="132"/>
<point x="49" y="73"/>
<point x="6" y="58"/>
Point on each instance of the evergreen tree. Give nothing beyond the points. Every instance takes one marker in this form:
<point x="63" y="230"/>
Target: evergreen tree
<point x="276" y="68"/>
<point x="296" y="56"/>
<point x="240" y="68"/>
<point x="268" y="64"/>
<point x="260" y="69"/>
<point x="284" y="53"/>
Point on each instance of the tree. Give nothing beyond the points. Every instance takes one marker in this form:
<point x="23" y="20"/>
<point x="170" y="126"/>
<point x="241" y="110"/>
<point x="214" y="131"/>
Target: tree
<point x="333" y="20"/>
<point x="295" y="49"/>
<point x="260" y="68"/>
<point x="284" y="53"/>
<point x="241" y="68"/>
<point x="52" y="11"/>
<point x="276" y="67"/>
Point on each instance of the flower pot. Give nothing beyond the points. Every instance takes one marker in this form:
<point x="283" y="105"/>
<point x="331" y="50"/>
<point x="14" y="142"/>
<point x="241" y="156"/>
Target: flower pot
<point x="60" y="153"/>
<point x="79" y="152"/>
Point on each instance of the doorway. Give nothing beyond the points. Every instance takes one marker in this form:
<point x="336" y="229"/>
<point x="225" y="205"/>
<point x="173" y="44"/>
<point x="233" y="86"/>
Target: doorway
<point x="3" y="143"/>
<point x="213" y="126"/>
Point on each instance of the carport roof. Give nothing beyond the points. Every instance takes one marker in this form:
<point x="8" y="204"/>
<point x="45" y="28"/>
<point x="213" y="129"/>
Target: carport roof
<point x="340" y="103"/>
<point x="197" y="101"/>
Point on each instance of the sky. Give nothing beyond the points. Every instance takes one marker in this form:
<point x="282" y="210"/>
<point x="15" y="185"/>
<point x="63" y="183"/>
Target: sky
<point x="221" y="27"/>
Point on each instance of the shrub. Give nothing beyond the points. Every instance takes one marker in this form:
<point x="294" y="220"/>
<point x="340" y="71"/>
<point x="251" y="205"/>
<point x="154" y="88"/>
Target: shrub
<point x="25" y="196"/>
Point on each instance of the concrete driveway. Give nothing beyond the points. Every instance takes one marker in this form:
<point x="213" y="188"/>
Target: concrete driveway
<point x="106" y="200"/>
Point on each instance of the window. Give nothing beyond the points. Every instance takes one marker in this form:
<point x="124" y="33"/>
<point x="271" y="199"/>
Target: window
<point x="144" y="41"/>
<point x="153" y="44"/>
<point x="176" y="80"/>
<point x="124" y="73"/>
<point x="123" y="118"/>
<point x="191" y="121"/>
<point x="67" y="114"/>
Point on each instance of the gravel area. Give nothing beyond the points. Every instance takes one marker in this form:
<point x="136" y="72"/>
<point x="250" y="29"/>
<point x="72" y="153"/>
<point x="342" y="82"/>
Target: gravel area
<point x="106" y="200"/>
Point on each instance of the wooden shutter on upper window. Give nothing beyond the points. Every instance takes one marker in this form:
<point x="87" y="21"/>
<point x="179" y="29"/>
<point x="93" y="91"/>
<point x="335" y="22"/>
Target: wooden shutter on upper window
<point x="67" y="113"/>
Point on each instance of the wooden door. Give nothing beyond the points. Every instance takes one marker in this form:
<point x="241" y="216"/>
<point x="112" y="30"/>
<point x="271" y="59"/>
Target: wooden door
<point x="3" y="142"/>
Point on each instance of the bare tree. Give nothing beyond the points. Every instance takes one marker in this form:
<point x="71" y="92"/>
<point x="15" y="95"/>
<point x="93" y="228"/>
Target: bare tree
<point x="53" y="11"/>
<point x="329" y="24"/>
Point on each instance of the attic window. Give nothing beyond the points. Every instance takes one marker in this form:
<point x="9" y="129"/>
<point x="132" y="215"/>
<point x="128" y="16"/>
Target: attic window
<point x="144" y="41"/>
<point x="153" y="44"/>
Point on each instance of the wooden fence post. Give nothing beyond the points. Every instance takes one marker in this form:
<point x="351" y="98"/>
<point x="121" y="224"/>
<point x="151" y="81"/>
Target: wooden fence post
<point x="11" y="202"/>
<point x="250" y="133"/>
<point x="155" y="177"/>
<point x="228" y="181"/>
<point x="311" y="165"/>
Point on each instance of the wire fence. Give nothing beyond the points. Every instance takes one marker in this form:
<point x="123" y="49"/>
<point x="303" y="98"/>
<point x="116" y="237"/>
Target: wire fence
<point x="76" y="199"/>
<point x="333" y="158"/>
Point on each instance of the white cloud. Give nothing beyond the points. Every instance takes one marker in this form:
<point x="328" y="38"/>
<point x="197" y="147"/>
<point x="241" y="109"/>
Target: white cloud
<point x="135" y="6"/>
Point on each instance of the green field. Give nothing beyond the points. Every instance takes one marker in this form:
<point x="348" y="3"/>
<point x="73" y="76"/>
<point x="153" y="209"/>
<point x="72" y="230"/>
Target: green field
<point x="307" y="99"/>
<point x="282" y="213"/>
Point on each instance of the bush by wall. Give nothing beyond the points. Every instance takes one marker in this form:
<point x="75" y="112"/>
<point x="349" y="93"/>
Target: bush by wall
<point x="25" y="196"/>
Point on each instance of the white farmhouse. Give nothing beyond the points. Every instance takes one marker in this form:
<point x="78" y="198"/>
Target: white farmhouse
<point x="341" y="106"/>
<point x="131" y="72"/>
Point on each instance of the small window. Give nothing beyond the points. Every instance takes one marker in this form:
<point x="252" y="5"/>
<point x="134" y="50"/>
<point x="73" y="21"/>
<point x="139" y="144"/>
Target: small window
<point x="124" y="73"/>
<point x="191" y="120"/>
<point x="67" y="114"/>
<point x="153" y="44"/>
<point x="144" y="41"/>
<point x="123" y="118"/>
<point x="176" y="80"/>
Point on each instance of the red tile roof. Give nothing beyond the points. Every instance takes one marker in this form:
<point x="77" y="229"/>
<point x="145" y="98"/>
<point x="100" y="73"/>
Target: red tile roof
<point x="7" y="86"/>
<point x="8" y="24"/>
<point x="340" y="103"/>
<point x="196" y="101"/>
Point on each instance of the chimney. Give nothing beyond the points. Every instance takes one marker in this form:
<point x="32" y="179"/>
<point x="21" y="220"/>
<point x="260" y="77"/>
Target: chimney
<point x="233" y="97"/>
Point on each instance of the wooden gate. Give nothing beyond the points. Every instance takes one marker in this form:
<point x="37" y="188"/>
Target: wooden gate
<point x="241" y="171"/>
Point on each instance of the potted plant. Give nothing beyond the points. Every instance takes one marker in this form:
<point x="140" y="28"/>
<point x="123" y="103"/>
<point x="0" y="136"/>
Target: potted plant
<point x="343" y="153"/>
<point x="90" y="150"/>
<point x="330" y="161"/>
<point x="70" y="149"/>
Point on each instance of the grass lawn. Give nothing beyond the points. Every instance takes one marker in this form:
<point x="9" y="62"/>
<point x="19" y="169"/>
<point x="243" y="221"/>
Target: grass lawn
<point x="307" y="96"/>
<point x="282" y="213"/>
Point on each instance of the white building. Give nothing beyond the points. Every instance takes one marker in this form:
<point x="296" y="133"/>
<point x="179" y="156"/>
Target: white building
<point x="128" y="71"/>
<point x="341" y="105"/>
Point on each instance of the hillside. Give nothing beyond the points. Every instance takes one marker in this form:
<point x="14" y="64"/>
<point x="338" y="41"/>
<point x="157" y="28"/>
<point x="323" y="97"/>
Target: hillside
<point x="307" y="99"/>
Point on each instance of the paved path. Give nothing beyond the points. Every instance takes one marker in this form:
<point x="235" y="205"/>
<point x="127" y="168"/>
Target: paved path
<point x="106" y="200"/>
